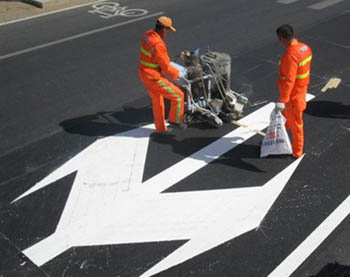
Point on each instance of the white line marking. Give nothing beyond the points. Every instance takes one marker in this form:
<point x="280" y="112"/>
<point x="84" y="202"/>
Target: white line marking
<point x="304" y="250"/>
<point x="100" y="211"/>
<point x="77" y="36"/>
<point x="324" y="4"/>
<point x="48" y="13"/>
<point x="257" y="120"/>
<point x="287" y="1"/>
<point x="239" y="211"/>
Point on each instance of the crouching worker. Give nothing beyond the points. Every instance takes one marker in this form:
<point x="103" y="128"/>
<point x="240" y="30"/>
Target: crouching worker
<point x="154" y="60"/>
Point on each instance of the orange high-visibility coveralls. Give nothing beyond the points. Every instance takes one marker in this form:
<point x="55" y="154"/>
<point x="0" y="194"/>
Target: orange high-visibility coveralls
<point x="154" y="60"/>
<point x="294" y="77"/>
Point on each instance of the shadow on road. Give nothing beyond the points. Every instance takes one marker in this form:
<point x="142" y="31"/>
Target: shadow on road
<point x="108" y="123"/>
<point x="183" y="142"/>
<point x="328" y="109"/>
<point x="334" y="270"/>
<point x="237" y="159"/>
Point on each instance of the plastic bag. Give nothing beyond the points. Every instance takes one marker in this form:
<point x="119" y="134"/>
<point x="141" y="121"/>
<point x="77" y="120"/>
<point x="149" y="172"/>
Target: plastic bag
<point x="276" y="141"/>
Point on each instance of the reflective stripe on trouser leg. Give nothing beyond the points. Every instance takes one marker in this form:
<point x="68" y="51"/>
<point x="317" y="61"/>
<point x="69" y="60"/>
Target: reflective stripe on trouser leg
<point x="157" y="91"/>
<point x="298" y="138"/>
<point x="286" y="114"/>
<point x="176" y="99"/>
<point x="158" y="110"/>
<point x="295" y="122"/>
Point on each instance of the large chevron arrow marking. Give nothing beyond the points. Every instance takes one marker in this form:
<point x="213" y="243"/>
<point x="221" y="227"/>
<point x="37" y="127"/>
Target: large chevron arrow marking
<point x="109" y="204"/>
<point x="230" y="213"/>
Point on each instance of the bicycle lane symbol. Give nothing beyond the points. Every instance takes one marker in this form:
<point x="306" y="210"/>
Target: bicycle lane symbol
<point x="112" y="9"/>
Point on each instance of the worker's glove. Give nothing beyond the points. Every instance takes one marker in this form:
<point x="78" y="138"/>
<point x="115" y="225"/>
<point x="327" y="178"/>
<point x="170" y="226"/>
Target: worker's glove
<point x="279" y="107"/>
<point x="181" y="74"/>
<point x="181" y="80"/>
<point x="185" y="54"/>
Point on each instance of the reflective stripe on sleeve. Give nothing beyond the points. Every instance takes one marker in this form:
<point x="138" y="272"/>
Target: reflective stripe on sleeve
<point x="304" y="62"/>
<point x="148" y="54"/>
<point x="151" y="65"/>
<point x="303" y="76"/>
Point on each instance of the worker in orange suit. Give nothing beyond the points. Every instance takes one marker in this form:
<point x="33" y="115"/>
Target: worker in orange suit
<point x="154" y="61"/>
<point x="294" y="78"/>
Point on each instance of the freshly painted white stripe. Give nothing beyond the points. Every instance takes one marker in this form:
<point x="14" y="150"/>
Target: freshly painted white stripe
<point x="287" y="1"/>
<point x="109" y="203"/>
<point x="114" y="150"/>
<point x="304" y="250"/>
<point x="78" y="36"/>
<point x="238" y="214"/>
<point x="102" y="216"/>
<point x="113" y="161"/>
<point x="324" y="4"/>
<point x="48" y="13"/>
<point x="257" y="120"/>
<point x="309" y="97"/>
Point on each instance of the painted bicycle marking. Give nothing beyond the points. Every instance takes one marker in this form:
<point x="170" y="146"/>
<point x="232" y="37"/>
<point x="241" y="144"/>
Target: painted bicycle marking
<point x="112" y="9"/>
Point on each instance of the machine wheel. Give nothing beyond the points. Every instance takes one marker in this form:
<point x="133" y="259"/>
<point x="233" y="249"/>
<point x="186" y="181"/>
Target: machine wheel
<point x="215" y="121"/>
<point x="188" y="118"/>
<point x="230" y="116"/>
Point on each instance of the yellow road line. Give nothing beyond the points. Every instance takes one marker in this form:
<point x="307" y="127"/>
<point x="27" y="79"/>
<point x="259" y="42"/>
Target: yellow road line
<point x="332" y="83"/>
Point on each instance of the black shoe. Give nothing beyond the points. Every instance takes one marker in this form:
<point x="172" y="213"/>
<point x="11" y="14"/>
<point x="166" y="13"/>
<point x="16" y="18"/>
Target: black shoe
<point x="178" y="125"/>
<point x="166" y="133"/>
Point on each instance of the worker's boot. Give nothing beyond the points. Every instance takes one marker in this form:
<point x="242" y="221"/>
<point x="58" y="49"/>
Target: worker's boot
<point x="168" y="132"/>
<point x="178" y="125"/>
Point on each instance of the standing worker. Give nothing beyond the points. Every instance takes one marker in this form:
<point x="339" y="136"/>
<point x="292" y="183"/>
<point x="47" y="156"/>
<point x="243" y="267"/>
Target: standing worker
<point x="294" y="78"/>
<point x="154" y="60"/>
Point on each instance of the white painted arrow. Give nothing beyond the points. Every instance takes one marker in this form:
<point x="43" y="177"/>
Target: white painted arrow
<point x="109" y="204"/>
<point x="234" y="212"/>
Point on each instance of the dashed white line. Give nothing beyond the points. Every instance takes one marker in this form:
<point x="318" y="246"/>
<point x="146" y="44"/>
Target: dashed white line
<point x="324" y="4"/>
<point x="77" y="36"/>
<point x="305" y="249"/>
<point x="318" y="6"/>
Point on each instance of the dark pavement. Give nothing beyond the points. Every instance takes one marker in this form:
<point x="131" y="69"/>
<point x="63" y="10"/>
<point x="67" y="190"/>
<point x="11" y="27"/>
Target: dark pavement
<point x="59" y="99"/>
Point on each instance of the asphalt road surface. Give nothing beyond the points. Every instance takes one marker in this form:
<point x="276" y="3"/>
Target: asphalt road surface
<point x="84" y="191"/>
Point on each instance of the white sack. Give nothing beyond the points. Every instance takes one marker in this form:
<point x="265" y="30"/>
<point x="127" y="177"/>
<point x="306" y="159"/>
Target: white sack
<point x="276" y="141"/>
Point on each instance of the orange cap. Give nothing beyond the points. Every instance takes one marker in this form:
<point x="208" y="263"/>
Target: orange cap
<point x="166" y="22"/>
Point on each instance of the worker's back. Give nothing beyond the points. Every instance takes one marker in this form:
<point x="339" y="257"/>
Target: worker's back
<point x="148" y="66"/>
